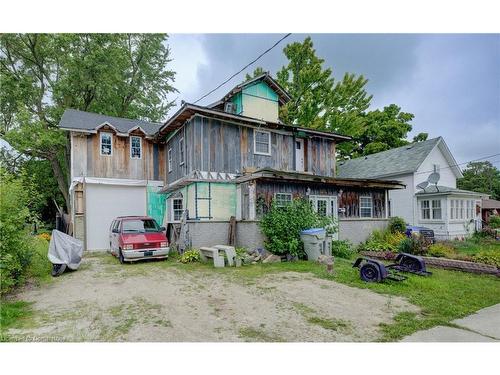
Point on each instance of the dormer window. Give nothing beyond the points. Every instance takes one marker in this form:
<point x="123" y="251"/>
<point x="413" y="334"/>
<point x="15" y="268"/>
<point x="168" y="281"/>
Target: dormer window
<point x="135" y="147"/>
<point x="262" y="142"/>
<point x="106" y="144"/>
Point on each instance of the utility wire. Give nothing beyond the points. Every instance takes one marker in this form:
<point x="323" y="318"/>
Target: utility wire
<point x="465" y="162"/>
<point x="246" y="66"/>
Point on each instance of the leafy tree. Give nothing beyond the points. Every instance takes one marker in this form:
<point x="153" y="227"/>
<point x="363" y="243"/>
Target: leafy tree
<point x="420" y="137"/>
<point x="481" y="176"/>
<point x="257" y="72"/>
<point x="37" y="173"/>
<point x="321" y="102"/>
<point x="117" y="74"/>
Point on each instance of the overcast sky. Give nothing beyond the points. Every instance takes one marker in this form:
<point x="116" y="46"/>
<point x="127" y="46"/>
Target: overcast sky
<point x="451" y="83"/>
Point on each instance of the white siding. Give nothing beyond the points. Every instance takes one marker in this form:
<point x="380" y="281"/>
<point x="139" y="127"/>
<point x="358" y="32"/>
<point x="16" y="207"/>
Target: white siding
<point x="448" y="177"/>
<point x="402" y="199"/>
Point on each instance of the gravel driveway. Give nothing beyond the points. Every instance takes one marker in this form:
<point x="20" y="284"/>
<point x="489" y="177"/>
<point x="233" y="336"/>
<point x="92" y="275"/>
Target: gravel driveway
<point x="165" y="301"/>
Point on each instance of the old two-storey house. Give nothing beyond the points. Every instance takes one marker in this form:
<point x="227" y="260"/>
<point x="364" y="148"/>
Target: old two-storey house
<point x="231" y="158"/>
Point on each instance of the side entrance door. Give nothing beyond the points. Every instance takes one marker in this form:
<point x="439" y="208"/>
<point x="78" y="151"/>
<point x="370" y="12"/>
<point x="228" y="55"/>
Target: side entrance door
<point x="299" y="155"/>
<point x="326" y="205"/>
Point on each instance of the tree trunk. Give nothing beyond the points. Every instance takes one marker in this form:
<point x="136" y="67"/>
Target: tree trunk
<point x="61" y="180"/>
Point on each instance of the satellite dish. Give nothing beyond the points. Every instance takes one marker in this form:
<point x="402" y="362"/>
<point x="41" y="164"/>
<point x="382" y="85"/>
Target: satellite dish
<point x="423" y="185"/>
<point x="433" y="178"/>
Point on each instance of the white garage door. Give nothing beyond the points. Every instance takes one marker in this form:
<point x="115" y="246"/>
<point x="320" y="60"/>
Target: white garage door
<point x="104" y="203"/>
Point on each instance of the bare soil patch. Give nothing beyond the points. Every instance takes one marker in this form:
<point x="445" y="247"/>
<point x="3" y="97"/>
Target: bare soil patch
<point x="163" y="301"/>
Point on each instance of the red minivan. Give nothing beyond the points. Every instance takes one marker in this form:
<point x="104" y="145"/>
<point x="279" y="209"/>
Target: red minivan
<point x="134" y="238"/>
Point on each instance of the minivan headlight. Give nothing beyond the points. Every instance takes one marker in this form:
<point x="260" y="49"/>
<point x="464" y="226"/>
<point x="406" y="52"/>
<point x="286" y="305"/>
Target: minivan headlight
<point x="163" y="244"/>
<point x="128" y="246"/>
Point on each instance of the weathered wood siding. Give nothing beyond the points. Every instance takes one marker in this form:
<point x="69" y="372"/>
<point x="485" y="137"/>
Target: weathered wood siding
<point x="88" y="161"/>
<point x="349" y="199"/>
<point x="218" y="146"/>
<point x="179" y="170"/>
<point x="320" y="156"/>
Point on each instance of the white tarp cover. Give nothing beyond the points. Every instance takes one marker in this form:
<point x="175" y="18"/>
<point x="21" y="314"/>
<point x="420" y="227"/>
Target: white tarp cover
<point x="64" y="249"/>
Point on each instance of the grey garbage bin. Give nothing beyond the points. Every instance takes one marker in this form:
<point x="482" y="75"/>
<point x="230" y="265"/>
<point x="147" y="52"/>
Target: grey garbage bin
<point x="314" y="242"/>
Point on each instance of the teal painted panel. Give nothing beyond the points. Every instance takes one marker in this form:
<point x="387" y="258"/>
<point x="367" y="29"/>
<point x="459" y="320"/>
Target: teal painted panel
<point x="239" y="105"/>
<point x="156" y="204"/>
<point x="261" y="89"/>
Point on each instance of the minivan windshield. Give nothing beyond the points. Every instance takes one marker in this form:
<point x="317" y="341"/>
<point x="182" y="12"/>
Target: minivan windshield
<point x="140" y="226"/>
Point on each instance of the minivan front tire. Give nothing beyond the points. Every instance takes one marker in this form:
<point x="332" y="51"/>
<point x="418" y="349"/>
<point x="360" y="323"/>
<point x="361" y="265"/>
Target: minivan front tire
<point x="120" y="257"/>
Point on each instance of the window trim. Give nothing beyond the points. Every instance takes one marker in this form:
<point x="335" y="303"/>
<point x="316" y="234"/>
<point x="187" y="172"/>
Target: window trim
<point x="140" y="147"/>
<point x="422" y="208"/>
<point x="276" y="198"/>
<point x="361" y="197"/>
<point x="169" y="159"/>
<point x="100" y="143"/>
<point x="173" y="210"/>
<point x="440" y="208"/>
<point x="255" y="142"/>
<point x="181" y="151"/>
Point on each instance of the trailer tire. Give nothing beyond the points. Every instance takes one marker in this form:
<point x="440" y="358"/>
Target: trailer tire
<point x="369" y="272"/>
<point x="411" y="264"/>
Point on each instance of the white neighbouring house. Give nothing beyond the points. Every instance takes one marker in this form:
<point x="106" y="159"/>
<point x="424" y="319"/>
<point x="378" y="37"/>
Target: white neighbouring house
<point x="450" y="212"/>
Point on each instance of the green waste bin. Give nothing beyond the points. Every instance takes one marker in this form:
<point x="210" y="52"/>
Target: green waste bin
<point x="314" y="242"/>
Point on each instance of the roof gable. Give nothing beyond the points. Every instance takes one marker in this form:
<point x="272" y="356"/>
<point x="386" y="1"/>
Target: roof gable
<point x="397" y="161"/>
<point x="75" y="120"/>
<point x="282" y="95"/>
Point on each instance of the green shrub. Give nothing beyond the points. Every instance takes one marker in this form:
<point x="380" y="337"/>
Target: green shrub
<point x="494" y="222"/>
<point x="416" y="245"/>
<point x="383" y="240"/>
<point x="488" y="257"/>
<point x="374" y="245"/>
<point x="397" y="225"/>
<point x="441" y="249"/>
<point x="282" y="226"/>
<point x="342" y="249"/>
<point x="15" y="242"/>
<point x="190" y="256"/>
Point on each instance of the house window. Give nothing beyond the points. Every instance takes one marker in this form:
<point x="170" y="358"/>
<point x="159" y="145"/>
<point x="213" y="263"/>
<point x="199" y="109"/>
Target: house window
<point x="461" y="208"/>
<point x="181" y="151"/>
<point x="177" y="209"/>
<point x="321" y="207"/>
<point x="452" y="209"/>
<point x="457" y="209"/>
<point x="436" y="209"/>
<point x="365" y="206"/>
<point x="425" y="209"/>
<point x="470" y="209"/>
<point x="170" y="160"/>
<point x="262" y="142"/>
<point x="106" y="144"/>
<point x="282" y="199"/>
<point x="135" y="147"/>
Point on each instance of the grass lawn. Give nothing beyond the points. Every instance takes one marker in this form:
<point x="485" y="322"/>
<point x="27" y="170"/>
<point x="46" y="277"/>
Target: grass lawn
<point x="442" y="297"/>
<point x="38" y="273"/>
<point x="474" y="246"/>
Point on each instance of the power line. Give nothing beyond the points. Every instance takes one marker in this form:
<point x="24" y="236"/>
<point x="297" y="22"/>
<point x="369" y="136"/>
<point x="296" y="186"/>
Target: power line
<point x="465" y="162"/>
<point x="246" y="66"/>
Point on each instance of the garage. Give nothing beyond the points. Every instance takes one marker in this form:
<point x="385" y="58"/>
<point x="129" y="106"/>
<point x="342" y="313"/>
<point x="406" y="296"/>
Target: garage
<point x="103" y="203"/>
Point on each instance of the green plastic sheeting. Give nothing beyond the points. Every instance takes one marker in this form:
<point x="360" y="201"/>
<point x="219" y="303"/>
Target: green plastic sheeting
<point x="156" y="204"/>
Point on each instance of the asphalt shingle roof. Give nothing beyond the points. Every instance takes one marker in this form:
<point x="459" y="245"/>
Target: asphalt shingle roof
<point x="80" y="120"/>
<point x="405" y="159"/>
